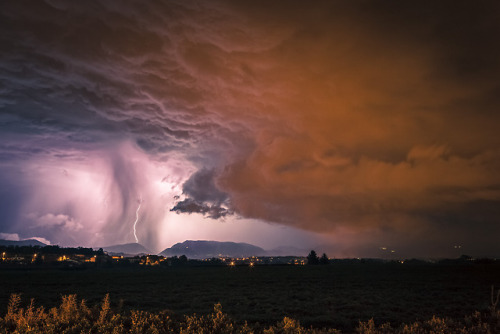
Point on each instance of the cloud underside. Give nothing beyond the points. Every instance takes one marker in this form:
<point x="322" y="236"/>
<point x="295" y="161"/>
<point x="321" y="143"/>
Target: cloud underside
<point x="191" y="206"/>
<point x="341" y="116"/>
<point x="203" y="196"/>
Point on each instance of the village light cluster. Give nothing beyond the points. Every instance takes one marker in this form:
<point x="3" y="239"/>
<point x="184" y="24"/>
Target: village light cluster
<point x="80" y="257"/>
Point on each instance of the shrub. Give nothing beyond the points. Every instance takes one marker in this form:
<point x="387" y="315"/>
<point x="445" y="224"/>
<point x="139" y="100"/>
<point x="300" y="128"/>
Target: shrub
<point x="73" y="316"/>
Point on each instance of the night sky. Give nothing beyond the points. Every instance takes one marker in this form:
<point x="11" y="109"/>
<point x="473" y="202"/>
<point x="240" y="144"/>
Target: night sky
<point x="346" y="125"/>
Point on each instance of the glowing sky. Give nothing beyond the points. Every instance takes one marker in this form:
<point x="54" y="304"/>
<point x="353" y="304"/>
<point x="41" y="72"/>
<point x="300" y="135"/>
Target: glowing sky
<point x="354" y="125"/>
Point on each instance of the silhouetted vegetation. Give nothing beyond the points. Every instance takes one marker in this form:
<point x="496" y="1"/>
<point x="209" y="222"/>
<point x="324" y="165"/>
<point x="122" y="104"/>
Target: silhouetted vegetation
<point x="312" y="258"/>
<point x="74" y="316"/>
<point x="30" y="250"/>
<point x="324" y="259"/>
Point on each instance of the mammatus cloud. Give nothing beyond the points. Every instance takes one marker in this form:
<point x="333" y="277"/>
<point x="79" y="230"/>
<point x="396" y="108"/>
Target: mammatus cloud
<point x="372" y="123"/>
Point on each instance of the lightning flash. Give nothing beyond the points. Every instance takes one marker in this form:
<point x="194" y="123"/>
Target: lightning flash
<point x="137" y="220"/>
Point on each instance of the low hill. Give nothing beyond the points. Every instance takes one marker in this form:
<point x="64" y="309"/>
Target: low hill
<point x="28" y="242"/>
<point x="126" y="249"/>
<point x="203" y="249"/>
<point x="288" y="251"/>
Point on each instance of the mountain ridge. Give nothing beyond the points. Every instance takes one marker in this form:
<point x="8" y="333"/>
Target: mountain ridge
<point x="132" y="248"/>
<point x="201" y="249"/>
<point x="27" y="242"/>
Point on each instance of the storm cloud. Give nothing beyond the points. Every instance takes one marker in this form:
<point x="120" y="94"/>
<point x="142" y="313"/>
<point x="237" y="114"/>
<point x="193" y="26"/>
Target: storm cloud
<point x="373" y="122"/>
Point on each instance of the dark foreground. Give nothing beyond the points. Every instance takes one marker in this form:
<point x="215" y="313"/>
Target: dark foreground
<point x="333" y="296"/>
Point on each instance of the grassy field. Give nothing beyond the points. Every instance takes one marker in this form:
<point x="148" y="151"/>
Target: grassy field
<point x="335" y="296"/>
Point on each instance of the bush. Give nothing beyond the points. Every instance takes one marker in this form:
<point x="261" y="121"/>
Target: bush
<point x="73" y="316"/>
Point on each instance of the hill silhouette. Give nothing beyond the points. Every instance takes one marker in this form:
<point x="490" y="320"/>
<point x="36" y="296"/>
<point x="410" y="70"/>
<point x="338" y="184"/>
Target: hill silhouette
<point x="202" y="249"/>
<point x="126" y="249"/>
<point x="28" y="242"/>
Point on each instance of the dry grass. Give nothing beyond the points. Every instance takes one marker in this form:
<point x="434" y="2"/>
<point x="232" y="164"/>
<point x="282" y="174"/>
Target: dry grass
<point x="73" y="316"/>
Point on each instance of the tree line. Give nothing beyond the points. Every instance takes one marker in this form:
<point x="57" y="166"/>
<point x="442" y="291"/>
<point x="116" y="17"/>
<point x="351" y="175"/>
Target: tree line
<point x="29" y="250"/>
<point x="313" y="259"/>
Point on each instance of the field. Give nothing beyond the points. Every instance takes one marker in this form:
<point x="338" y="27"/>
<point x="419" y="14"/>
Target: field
<point x="337" y="295"/>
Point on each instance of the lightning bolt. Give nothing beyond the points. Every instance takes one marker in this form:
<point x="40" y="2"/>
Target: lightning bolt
<point x="137" y="220"/>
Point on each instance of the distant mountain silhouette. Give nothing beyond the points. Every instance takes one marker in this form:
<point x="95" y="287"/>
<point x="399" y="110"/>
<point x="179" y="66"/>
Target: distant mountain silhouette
<point x="28" y="242"/>
<point x="288" y="251"/>
<point x="203" y="249"/>
<point x="126" y="249"/>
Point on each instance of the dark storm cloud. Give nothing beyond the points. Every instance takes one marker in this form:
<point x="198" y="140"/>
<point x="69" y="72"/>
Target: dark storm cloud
<point x="189" y="205"/>
<point x="201" y="187"/>
<point x="80" y="79"/>
<point x="203" y="196"/>
<point x="100" y="66"/>
<point x="375" y="119"/>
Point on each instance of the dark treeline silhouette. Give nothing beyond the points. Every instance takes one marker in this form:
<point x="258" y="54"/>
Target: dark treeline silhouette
<point x="182" y="260"/>
<point x="324" y="259"/>
<point x="29" y="250"/>
<point x="313" y="259"/>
